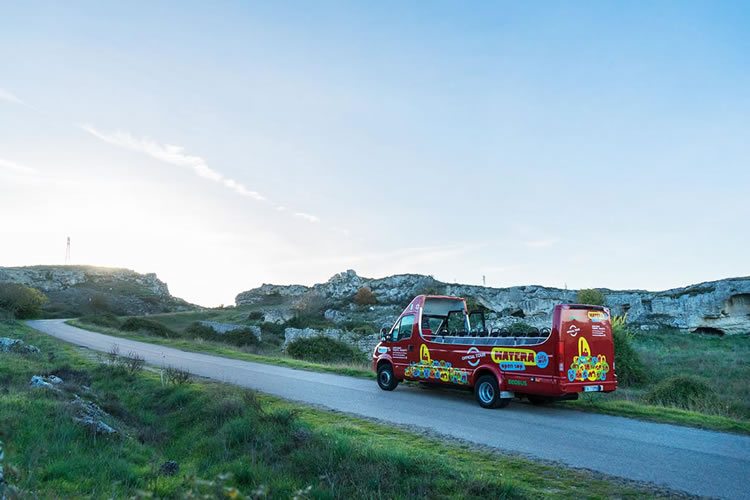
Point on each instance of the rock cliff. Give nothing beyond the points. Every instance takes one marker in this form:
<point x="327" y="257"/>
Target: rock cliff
<point x="78" y="290"/>
<point x="721" y="307"/>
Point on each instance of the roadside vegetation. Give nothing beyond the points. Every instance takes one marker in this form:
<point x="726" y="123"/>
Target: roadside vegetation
<point x="274" y="356"/>
<point x="19" y="301"/>
<point x="650" y="364"/>
<point x="173" y="436"/>
<point x="683" y="378"/>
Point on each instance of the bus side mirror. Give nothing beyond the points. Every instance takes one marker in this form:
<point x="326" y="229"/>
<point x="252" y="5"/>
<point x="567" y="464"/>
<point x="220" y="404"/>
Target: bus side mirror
<point x="383" y="334"/>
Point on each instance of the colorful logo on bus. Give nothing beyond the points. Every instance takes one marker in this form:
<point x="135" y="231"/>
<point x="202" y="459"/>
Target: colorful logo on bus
<point x="437" y="370"/>
<point x="585" y="367"/>
<point x="516" y="360"/>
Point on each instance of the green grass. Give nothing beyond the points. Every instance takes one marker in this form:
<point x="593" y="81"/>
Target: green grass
<point x="717" y="360"/>
<point x="236" y="439"/>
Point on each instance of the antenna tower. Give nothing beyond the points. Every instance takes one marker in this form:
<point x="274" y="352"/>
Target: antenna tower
<point x="67" y="253"/>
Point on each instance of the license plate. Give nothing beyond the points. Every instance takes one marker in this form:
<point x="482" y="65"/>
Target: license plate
<point x="592" y="388"/>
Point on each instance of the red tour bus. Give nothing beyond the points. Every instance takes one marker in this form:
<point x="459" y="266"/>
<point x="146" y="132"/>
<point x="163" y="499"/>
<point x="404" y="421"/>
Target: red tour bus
<point x="435" y="340"/>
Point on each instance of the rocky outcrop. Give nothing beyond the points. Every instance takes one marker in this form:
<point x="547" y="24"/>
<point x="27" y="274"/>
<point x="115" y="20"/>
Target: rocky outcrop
<point x="78" y="290"/>
<point x="721" y="307"/>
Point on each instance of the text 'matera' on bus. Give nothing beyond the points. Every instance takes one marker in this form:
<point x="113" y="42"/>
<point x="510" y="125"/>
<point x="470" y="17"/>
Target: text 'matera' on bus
<point x="435" y="340"/>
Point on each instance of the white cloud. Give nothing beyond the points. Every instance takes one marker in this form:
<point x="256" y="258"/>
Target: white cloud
<point x="308" y="217"/>
<point x="174" y="155"/>
<point x="15" y="167"/>
<point x="7" y="96"/>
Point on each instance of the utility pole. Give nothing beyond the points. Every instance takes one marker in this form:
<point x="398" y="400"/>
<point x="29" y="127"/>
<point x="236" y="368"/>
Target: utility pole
<point x="67" y="253"/>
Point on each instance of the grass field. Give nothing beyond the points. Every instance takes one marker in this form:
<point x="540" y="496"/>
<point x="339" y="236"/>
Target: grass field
<point x="719" y="361"/>
<point x="230" y="442"/>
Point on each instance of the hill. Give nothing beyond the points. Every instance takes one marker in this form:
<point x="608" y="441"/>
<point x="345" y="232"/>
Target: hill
<point x="79" y="290"/>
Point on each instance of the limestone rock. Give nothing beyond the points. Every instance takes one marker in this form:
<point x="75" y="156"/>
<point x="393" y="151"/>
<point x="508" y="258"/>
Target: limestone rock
<point x="714" y="307"/>
<point x="90" y="415"/>
<point x="17" y="346"/>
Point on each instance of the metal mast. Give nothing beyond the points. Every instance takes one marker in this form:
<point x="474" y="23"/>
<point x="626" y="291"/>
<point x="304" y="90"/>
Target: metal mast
<point x="67" y="253"/>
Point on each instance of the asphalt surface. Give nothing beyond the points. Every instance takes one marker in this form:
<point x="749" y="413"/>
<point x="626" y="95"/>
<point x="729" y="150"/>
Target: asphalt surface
<point x="695" y="461"/>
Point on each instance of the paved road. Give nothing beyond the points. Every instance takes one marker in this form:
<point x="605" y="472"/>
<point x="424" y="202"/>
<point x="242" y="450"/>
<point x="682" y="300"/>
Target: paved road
<point x="696" y="461"/>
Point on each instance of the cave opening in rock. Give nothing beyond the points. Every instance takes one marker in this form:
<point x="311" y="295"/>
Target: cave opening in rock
<point x="709" y="330"/>
<point x="518" y="313"/>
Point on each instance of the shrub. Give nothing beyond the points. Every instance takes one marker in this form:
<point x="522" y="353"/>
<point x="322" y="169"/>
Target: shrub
<point x="255" y="316"/>
<point x="240" y="337"/>
<point x="590" y="296"/>
<point x="272" y="329"/>
<point x="176" y="376"/>
<point x="147" y="325"/>
<point x="629" y="367"/>
<point x="365" y="297"/>
<point x="324" y="350"/>
<point x="133" y="363"/>
<point x="683" y="391"/>
<point x="520" y="328"/>
<point x="21" y="301"/>
<point x="108" y="320"/>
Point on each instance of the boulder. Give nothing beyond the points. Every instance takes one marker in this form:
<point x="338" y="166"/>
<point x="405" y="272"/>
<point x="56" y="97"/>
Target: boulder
<point x="91" y="416"/>
<point x="17" y="346"/>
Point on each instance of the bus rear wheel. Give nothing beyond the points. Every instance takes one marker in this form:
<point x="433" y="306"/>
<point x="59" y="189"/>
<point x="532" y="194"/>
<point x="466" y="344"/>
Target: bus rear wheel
<point x="386" y="380"/>
<point x="487" y="393"/>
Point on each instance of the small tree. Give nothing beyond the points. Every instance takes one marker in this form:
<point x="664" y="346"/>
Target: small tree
<point x="590" y="296"/>
<point x="21" y="301"/>
<point x="365" y="297"/>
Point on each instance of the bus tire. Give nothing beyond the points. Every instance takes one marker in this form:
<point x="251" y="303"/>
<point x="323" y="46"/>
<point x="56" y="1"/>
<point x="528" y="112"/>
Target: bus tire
<point x="386" y="379"/>
<point x="487" y="393"/>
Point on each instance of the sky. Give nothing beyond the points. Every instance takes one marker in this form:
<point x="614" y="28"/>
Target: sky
<point x="223" y="145"/>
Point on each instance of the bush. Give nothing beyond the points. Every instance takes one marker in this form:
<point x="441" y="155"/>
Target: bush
<point x="520" y="328"/>
<point x="629" y="367"/>
<point x="21" y="301"/>
<point x="365" y="297"/>
<point x="147" y="325"/>
<point x="590" y="296"/>
<point x="324" y="350"/>
<point x="240" y="337"/>
<point x="272" y="329"/>
<point x="176" y="376"/>
<point x="133" y="363"/>
<point x="255" y="316"/>
<point x="108" y="320"/>
<point x="683" y="391"/>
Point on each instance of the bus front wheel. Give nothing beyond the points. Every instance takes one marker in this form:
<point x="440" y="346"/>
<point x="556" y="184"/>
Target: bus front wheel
<point x="386" y="380"/>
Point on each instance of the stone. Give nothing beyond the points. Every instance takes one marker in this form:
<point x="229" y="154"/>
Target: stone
<point x="91" y="416"/>
<point x="17" y="346"/>
<point x="40" y="382"/>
